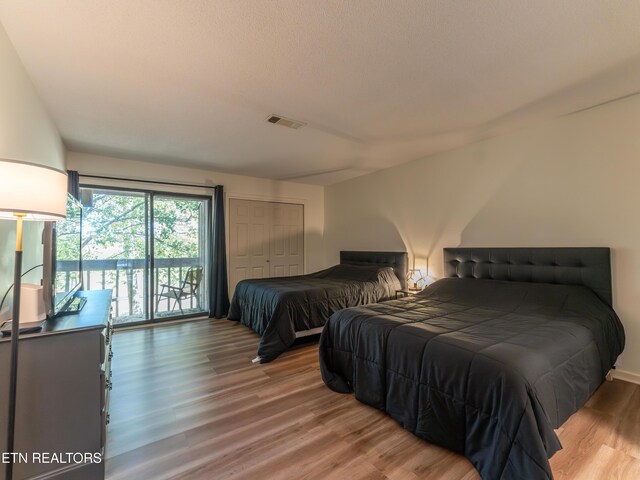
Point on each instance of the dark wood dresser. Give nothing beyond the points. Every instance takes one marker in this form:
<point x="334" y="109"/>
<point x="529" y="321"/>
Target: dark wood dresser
<point x="64" y="380"/>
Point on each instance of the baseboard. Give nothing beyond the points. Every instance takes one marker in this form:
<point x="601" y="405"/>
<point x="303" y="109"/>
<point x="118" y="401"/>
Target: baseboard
<point x="123" y="326"/>
<point x="626" y="376"/>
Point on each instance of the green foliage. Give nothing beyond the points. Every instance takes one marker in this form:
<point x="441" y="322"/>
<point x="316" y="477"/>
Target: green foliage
<point x="68" y="236"/>
<point x="115" y="227"/>
<point x="177" y="225"/>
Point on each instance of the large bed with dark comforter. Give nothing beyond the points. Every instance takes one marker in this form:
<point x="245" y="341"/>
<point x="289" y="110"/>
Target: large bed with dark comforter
<point x="488" y="361"/>
<point x="280" y="308"/>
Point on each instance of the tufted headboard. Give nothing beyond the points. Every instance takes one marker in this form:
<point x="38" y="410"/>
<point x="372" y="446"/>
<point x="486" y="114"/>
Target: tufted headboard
<point x="590" y="267"/>
<point x="399" y="261"/>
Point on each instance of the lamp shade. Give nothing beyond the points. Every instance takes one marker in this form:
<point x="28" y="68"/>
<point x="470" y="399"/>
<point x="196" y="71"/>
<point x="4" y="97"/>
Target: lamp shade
<point x="37" y="191"/>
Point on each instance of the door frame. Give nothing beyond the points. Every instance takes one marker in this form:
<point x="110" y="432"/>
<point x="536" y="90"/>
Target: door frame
<point x="149" y="276"/>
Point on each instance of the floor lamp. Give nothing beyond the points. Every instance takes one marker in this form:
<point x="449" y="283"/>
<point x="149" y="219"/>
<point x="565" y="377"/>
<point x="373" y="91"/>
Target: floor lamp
<point x="27" y="192"/>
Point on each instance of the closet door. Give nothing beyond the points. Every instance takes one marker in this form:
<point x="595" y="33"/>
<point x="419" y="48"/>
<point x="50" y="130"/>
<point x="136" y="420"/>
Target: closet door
<point x="286" y="240"/>
<point x="265" y="240"/>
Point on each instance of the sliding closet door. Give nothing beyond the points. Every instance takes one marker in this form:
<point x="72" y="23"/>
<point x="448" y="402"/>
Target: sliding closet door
<point x="248" y="241"/>
<point x="286" y="240"/>
<point x="266" y="239"/>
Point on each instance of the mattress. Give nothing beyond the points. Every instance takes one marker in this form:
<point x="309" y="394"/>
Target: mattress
<point x="485" y="368"/>
<point x="277" y="308"/>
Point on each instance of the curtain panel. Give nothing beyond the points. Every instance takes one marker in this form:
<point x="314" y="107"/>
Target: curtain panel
<point x="219" y="293"/>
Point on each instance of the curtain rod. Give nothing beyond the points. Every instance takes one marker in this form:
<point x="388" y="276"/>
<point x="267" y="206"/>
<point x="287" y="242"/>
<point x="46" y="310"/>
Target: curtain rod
<point x="158" y="182"/>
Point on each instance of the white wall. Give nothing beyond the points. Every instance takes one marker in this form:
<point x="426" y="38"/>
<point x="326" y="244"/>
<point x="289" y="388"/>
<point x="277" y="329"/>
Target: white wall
<point x="573" y="181"/>
<point x="27" y="133"/>
<point x="235" y="186"/>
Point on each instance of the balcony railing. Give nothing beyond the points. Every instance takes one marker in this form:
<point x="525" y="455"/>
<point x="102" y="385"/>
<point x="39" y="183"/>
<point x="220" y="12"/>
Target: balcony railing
<point x="126" y="277"/>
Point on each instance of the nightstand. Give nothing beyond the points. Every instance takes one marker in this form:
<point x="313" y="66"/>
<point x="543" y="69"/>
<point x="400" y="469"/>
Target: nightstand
<point x="405" y="292"/>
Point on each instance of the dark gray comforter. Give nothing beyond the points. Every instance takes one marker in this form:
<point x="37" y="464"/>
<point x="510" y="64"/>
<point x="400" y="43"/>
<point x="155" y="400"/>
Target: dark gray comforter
<point x="485" y="368"/>
<point x="277" y="308"/>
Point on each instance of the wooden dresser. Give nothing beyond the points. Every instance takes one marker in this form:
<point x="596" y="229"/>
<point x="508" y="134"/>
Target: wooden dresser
<point x="64" y="380"/>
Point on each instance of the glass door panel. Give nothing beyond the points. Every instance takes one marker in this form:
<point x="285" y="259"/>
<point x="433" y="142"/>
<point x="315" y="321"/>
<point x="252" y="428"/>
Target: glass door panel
<point x="114" y="249"/>
<point x="179" y="246"/>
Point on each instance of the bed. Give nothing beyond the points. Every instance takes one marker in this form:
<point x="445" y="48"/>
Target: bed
<point x="489" y="360"/>
<point x="282" y="309"/>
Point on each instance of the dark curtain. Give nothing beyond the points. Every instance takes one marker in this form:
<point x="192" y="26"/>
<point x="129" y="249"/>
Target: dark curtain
<point x="219" y="294"/>
<point x="73" y="184"/>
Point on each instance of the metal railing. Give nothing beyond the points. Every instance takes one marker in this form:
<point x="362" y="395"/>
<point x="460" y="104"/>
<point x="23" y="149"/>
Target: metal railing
<point x="126" y="277"/>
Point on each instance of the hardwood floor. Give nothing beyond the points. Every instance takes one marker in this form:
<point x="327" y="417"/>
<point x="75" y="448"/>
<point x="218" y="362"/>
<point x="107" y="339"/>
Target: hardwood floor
<point x="187" y="403"/>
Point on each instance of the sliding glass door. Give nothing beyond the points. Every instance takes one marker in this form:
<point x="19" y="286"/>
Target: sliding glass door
<point x="115" y="249"/>
<point x="180" y="246"/>
<point x="150" y="248"/>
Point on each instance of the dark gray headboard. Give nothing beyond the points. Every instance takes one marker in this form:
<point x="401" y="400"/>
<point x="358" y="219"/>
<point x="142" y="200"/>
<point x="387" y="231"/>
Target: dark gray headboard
<point x="590" y="267"/>
<point x="399" y="261"/>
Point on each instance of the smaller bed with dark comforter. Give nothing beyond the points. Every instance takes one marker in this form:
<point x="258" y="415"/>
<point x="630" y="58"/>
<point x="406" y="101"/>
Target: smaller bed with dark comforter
<point x="485" y="367"/>
<point x="279" y="308"/>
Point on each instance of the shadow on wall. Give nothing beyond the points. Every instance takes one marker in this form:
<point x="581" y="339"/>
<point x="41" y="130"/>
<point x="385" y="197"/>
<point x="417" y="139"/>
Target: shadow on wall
<point x="547" y="201"/>
<point x="461" y="186"/>
<point x="313" y="245"/>
<point x="371" y="233"/>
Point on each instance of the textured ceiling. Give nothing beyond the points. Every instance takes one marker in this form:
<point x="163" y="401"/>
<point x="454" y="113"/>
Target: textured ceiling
<point x="378" y="82"/>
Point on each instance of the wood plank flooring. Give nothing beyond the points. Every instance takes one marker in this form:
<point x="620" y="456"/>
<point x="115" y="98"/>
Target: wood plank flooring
<point x="188" y="404"/>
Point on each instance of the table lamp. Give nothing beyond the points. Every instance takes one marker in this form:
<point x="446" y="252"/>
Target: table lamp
<point x="27" y="192"/>
<point x="415" y="279"/>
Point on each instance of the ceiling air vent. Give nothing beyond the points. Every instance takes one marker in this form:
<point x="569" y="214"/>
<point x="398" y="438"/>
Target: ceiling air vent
<point x="285" y="122"/>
